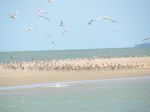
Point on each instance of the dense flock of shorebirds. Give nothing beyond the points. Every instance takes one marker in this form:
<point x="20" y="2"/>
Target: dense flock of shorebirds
<point x="69" y="65"/>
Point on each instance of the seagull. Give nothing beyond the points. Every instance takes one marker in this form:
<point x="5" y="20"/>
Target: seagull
<point x="146" y="39"/>
<point x="62" y="24"/>
<point x="29" y="29"/>
<point x="101" y="18"/>
<point x="14" y="15"/>
<point x="49" y="1"/>
<point x="106" y="18"/>
<point x="42" y="13"/>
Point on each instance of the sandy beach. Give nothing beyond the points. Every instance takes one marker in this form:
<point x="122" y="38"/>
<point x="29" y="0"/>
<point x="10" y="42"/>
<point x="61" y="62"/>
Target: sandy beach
<point x="10" y="77"/>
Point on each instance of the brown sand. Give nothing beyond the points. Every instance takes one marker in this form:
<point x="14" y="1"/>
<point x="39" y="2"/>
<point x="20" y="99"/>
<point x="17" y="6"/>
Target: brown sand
<point x="11" y="77"/>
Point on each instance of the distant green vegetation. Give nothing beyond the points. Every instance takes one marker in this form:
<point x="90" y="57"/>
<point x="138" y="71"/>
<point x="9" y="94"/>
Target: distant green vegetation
<point x="143" y="45"/>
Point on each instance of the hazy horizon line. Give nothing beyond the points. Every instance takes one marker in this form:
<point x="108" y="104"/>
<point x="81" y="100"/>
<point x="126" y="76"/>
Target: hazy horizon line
<point x="64" y="49"/>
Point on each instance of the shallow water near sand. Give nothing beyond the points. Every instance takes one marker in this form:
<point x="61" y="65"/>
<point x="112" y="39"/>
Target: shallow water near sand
<point x="110" y="95"/>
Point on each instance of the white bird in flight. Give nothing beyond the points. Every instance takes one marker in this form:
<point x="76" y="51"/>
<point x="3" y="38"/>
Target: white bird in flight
<point x="29" y="29"/>
<point x="49" y="1"/>
<point x="14" y="15"/>
<point x="146" y="39"/>
<point x="102" y="18"/>
<point x="43" y="14"/>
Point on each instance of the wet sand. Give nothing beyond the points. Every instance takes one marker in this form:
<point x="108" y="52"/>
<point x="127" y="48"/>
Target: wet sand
<point x="18" y="77"/>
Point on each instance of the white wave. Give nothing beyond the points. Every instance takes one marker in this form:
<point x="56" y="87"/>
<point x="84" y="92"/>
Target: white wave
<point x="58" y="85"/>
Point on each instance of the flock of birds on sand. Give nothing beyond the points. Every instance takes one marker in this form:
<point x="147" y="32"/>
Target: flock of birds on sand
<point x="70" y="65"/>
<point x="63" y="64"/>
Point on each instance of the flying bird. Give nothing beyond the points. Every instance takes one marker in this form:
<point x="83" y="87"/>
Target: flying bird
<point x="49" y="1"/>
<point x="102" y="18"/>
<point x="146" y="39"/>
<point x="90" y="22"/>
<point x="14" y="15"/>
<point x="43" y="14"/>
<point x="62" y="24"/>
<point x="106" y="18"/>
<point x="29" y="29"/>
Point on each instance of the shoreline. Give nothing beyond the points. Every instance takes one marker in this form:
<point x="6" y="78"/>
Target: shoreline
<point x="68" y="83"/>
<point x="23" y="78"/>
<point x="9" y="77"/>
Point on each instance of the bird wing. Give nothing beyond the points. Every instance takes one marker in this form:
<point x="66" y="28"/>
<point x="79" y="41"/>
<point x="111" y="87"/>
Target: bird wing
<point x="90" y="22"/>
<point x="113" y="20"/>
<point x="41" y="12"/>
<point x="98" y="18"/>
<point x="146" y="39"/>
<point x="46" y="18"/>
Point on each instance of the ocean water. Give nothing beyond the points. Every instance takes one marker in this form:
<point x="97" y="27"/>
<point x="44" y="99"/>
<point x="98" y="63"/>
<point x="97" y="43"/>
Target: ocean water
<point x="110" y="95"/>
<point x="65" y="54"/>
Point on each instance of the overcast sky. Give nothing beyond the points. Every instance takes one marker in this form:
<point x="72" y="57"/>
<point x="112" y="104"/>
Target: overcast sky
<point x="132" y="16"/>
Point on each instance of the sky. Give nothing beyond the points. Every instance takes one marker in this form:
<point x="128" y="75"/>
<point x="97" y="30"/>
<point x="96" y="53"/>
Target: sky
<point x="132" y="26"/>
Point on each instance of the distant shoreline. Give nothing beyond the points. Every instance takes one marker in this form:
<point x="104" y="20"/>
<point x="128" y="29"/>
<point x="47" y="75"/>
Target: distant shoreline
<point x="10" y="51"/>
<point x="73" y="54"/>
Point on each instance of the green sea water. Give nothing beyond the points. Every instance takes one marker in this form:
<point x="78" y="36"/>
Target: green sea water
<point x="114" y="95"/>
<point x="65" y="54"/>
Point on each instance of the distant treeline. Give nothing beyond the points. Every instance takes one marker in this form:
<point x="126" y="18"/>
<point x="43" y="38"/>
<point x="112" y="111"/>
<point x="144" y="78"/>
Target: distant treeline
<point x="143" y="45"/>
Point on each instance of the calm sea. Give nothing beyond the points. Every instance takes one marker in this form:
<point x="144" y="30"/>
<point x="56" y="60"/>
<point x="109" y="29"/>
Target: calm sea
<point x="64" y="54"/>
<point x="110" y="95"/>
